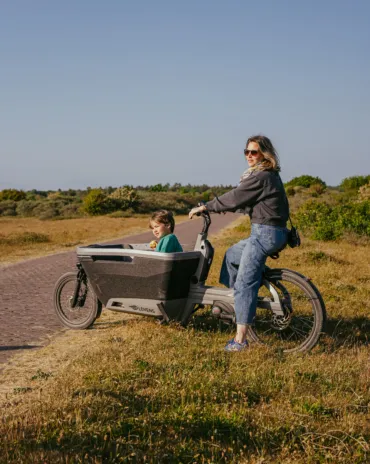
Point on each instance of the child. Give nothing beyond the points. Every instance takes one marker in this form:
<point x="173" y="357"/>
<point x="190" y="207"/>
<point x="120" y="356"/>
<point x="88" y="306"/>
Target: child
<point x="163" y="224"/>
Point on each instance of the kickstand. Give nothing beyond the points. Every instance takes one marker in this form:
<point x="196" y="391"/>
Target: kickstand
<point x="165" y="318"/>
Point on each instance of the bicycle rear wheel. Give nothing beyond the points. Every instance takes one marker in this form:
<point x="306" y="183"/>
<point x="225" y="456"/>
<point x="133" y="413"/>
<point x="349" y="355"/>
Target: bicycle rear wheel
<point x="304" y="312"/>
<point x="86" y="310"/>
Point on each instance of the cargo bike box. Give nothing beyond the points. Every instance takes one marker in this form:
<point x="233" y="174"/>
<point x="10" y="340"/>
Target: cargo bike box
<point x="136" y="279"/>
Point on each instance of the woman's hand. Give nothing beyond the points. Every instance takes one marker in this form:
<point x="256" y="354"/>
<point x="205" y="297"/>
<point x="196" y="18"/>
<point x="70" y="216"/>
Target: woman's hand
<point x="197" y="210"/>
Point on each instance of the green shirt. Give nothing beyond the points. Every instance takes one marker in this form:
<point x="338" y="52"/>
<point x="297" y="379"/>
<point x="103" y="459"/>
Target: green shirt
<point x="169" y="244"/>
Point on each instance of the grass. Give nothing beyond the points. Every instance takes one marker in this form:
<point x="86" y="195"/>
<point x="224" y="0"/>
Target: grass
<point x="130" y="390"/>
<point x="30" y="237"/>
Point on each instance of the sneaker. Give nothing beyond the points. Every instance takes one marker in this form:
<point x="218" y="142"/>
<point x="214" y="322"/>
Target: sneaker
<point x="232" y="345"/>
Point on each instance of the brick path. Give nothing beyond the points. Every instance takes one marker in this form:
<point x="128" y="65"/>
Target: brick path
<point x="26" y="290"/>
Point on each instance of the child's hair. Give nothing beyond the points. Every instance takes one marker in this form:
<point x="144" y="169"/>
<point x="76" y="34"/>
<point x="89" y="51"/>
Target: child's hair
<point x="163" y="217"/>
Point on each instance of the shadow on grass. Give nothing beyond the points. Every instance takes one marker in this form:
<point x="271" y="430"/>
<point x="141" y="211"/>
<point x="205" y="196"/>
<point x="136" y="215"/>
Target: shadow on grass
<point x="348" y="332"/>
<point x="18" y="347"/>
<point x="102" y="325"/>
<point x="135" y="432"/>
<point x="154" y="438"/>
<point x="205" y="322"/>
<point x="341" y="332"/>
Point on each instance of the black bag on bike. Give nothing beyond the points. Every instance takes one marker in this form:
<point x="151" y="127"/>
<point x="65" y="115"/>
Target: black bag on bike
<point x="294" y="240"/>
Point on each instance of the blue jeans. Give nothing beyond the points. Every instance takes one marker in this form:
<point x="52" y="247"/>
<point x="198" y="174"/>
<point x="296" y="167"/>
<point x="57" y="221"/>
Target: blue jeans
<point x="243" y="266"/>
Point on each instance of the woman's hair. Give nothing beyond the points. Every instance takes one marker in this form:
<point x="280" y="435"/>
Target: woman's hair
<point x="271" y="158"/>
<point x="163" y="217"/>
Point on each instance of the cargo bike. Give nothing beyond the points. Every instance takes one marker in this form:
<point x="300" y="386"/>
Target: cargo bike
<point x="133" y="279"/>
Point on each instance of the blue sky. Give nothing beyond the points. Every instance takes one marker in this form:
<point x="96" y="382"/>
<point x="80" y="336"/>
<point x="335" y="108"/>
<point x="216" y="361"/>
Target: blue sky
<point x="98" y="93"/>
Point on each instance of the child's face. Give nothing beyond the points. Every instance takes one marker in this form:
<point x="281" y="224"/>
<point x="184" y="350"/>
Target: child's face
<point x="160" y="229"/>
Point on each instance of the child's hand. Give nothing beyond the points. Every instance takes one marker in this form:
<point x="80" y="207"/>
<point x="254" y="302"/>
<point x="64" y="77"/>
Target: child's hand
<point x="153" y="244"/>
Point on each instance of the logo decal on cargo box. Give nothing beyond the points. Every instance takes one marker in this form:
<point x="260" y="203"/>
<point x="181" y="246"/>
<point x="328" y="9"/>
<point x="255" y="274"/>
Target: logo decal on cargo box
<point x="142" y="310"/>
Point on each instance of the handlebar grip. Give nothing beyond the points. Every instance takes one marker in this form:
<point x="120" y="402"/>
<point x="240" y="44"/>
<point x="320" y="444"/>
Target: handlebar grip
<point x="205" y="212"/>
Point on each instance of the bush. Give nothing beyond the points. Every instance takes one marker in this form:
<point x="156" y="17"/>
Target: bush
<point x="159" y="188"/>
<point x="354" y="182"/>
<point x="24" y="238"/>
<point x="317" y="190"/>
<point x="123" y="198"/>
<point x="305" y="181"/>
<point x="364" y="192"/>
<point x="96" y="202"/>
<point x="355" y="217"/>
<point x="47" y="209"/>
<point x="173" y="201"/>
<point x="9" y="212"/>
<point x="48" y="213"/>
<point x="26" y="207"/>
<point x="290" y="191"/>
<point x="71" y="210"/>
<point x="8" y="208"/>
<point x="12" y="194"/>
<point x="329" y="222"/>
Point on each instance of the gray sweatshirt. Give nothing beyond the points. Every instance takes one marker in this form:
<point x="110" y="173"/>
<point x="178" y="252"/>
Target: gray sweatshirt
<point x="261" y="195"/>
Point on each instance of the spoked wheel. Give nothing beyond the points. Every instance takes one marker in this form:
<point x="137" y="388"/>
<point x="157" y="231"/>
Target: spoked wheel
<point x="304" y="312"/>
<point x="87" y="308"/>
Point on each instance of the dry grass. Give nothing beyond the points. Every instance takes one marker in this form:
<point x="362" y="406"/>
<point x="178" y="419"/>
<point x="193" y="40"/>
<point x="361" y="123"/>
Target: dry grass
<point x="133" y="391"/>
<point x="30" y="237"/>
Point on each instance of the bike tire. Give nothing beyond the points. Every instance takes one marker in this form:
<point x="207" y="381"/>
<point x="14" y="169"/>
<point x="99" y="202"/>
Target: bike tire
<point x="81" y="316"/>
<point x="300" y="331"/>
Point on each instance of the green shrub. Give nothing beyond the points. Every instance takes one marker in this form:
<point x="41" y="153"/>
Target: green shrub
<point x="206" y="196"/>
<point x="354" y="182"/>
<point x="71" y="210"/>
<point x="33" y="237"/>
<point x="47" y="209"/>
<point x="173" y="201"/>
<point x="48" y="213"/>
<point x="96" y="202"/>
<point x="24" y="238"/>
<point x="317" y="190"/>
<point x="12" y="194"/>
<point x="329" y="222"/>
<point x="8" y="208"/>
<point x="364" y="192"/>
<point x="159" y="188"/>
<point x="25" y="207"/>
<point x="290" y="191"/>
<point x="9" y="212"/>
<point x="355" y="217"/>
<point x="305" y="181"/>
<point x="123" y="198"/>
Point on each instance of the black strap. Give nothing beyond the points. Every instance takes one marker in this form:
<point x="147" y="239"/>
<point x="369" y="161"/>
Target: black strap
<point x="290" y="220"/>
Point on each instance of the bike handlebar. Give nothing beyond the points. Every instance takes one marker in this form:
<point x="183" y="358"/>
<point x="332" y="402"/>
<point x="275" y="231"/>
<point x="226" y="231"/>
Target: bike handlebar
<point x="206" y="221"/>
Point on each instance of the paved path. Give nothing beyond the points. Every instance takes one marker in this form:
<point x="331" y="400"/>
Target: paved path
<point x="27" y="316"/>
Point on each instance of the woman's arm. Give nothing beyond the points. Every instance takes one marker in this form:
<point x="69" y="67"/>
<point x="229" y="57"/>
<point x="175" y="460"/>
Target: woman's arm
<point x="245" y="194"/>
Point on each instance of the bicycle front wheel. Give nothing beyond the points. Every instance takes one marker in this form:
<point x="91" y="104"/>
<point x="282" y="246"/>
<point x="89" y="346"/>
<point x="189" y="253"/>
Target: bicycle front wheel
<point x="299" y="329"/>
<point x="87" y="308"/>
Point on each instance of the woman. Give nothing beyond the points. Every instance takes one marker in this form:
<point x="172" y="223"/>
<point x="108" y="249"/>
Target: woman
<point x="261" y="195"/>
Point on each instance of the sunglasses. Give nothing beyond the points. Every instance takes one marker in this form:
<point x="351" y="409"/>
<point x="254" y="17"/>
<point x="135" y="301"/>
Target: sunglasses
<point x="251" y="152"/>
